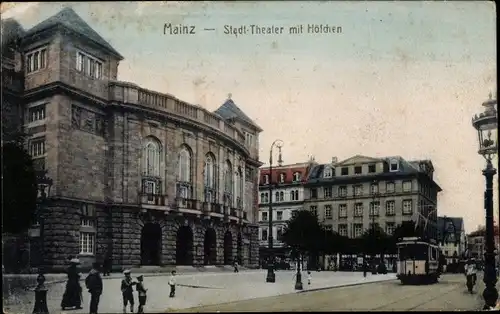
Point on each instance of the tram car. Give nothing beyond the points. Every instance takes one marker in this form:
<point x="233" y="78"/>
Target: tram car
<point x="418" y="261"/>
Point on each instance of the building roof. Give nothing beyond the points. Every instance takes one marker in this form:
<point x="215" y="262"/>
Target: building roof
<point x="458" y="222"/>
<point x="288" y="170"/>
<point x="405" y="168"/>
<point x="69" y="19"/>
<point x="229" y="110"/>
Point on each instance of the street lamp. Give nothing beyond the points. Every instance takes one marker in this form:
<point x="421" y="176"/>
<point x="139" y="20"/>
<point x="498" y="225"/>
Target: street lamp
<point x="44" y="185"/>
<point x="375" y="195"/>
<point x="486" y="125"/>
<point x="270" y="265"/>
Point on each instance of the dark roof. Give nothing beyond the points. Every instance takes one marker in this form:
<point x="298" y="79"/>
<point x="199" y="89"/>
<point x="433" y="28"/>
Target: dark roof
<point x="288" y="171"/>
<point x="229" y="110"/>
<point x="72" y="21"/>
<point x="458" y="222"/>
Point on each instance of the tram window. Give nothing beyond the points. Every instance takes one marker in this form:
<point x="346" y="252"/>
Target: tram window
<point x="417" y="251"/>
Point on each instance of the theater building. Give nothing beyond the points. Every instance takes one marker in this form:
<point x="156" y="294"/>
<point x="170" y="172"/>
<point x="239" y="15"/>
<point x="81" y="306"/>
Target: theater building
<point x="139" y="176"/>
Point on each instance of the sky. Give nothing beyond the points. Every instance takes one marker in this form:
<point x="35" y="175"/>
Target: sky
<point x="402" y="78"/>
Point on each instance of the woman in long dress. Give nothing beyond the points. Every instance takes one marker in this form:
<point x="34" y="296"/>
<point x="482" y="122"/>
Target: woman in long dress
<point x="73" y="294"/>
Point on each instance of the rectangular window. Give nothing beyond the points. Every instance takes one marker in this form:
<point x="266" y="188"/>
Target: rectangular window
<point x="343" y="211"/>
<point x="374" y="208"/>
<point x="390" y="208"/>
<point x="371" y="168"/>
<point x="248" y="139"/>
<point x="264" y="235"/>
<point x="314" y="193"/>
<point x="328" y="211"/>
<point x="88" y="65"/>
<point x="357" y="170"/>
<point x="389" y="228"/>
<point x="342" y="191"/>
<point x="358" y="230"/>
<point x="374" y="188"/>
<point x="264" y="216"/>
<point x="314" y="210"/>
<point x="37" y="147"/>
<point x="36" y="113"/>
<point x="279" y="215"/>
<point x="358" y="210"/>
<point x="87" y="241"/>
<point x="406" y="186"/>
<point x="328" y="192"/>
<point x="390" y="187"/>
<point x="358" y="190"/>
<point x="407" y="207"/>
<point x="279" y="233"/>
<point x="343" y="230"/>
<point x="344" y="171"/>
<point x="36" y="60"/>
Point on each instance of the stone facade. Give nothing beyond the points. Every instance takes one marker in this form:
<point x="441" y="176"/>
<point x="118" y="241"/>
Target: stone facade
<point x="95" y="130"/>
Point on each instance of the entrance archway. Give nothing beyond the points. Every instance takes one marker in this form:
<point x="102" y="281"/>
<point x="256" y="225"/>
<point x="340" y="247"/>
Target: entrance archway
<point x="228" y="248"/>
<point x="210" y="247"/>
<point x="151" y="244"/>
<point x="184" y="246"/>
<point x="239" y="249"/>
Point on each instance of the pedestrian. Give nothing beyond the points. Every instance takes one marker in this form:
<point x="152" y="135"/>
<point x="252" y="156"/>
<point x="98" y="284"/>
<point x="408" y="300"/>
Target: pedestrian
<point x="107" y="266"/>
<point x="365" y="269"/>
<point x="72" y="296"/>
<point x="141" y="291"/>
<point x="40" y="296"/>
<point x="171" y="283"/>
<point x="236" y="267"/>
<point x="93" y="282"/>
<point x="309" y="277"/>
<point x="127" y="291"/>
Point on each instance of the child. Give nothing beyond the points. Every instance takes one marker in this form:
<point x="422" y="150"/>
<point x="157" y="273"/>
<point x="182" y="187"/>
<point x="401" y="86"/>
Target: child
<point x="309" y="277"/>
<point x="235" y="267"/>
<point x="171" y="283"/>
<point x="141" y="291"/>
<point x="127" y="292"/>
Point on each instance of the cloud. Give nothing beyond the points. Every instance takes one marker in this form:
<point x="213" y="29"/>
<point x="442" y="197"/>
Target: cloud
<point x="16" y="10"/>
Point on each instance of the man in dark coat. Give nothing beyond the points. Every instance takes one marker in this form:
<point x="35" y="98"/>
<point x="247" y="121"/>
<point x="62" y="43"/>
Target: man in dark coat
<point x="94" y="285"/>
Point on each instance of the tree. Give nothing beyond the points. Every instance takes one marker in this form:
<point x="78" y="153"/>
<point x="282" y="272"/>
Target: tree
<point x="19" y="187"/>
<point x="333" y="242"/>
<point x="304" y="234"/>
<point x="375" y="240"/>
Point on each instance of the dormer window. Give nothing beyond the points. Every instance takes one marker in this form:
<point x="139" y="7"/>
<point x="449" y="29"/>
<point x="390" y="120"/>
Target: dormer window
<point x="266" y="179"/>
<point x="394" y="165"/>
<point x="296" y="177"/>
<point x="282" y="178"/>
<point x="328" y="172"/>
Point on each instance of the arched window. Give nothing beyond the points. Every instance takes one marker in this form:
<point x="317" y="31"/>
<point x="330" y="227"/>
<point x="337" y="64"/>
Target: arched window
<point x="151" y="158"/>
<point x="282" y="178"/>
<point x="228" y="177"/>
<point x="282" y="196"/>
<point x="184" y="165"/>
<point x="209" y="172"/>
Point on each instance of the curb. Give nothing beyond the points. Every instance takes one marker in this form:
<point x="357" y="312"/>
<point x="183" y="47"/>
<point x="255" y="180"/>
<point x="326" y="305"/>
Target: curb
<point x="344" y="285"/>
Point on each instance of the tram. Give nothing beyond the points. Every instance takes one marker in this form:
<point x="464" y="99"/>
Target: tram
<point x="418" y="261"/>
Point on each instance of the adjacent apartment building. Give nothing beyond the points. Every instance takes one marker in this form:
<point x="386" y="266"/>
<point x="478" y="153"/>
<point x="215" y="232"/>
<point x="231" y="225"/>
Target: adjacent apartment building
<point x="140" y="176"/>
<point x="287" y="197"/>
<point x="350" y="195"/>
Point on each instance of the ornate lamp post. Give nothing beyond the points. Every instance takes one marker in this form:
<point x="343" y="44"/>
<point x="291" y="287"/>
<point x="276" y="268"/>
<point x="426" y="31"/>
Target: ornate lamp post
<point x="486" y="125"/>
<point x="270" y="265"/>
<point x="44" y="185"/>
<point x="375" y="196"/>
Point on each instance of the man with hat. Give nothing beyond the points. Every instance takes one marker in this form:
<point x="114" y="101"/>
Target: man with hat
<point x="127" y="291"/>
<point x="94" y="285"/>
<point x="141" y="291"/>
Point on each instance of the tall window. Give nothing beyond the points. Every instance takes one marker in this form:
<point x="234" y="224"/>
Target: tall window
<point x="342" y="191"/>
<point x="88" y="65"/>
<point x="185" y="165"/>
<point x="390" y="208"/>
<point x="209" y="172"/>
<point x="296" y="177"/>
<point x="264" y="216"/>
<point x="390" y="187"/>
<point x="264" y="235"/>
<point x="265" y="179"/>
<point x="328" y="192"/>
<point x="358" y="230"/>
<point x="37" y="113"/>
<point x="37" y="147"/>
<point x="406" y="186"/>
<point x="407" y="207"/>
<point x="36" y="60"/>
<point x="238" y="187"/>
<point x="228" y="177"/>
<point x="374" y="208"/>
<point x="343" y="211"/>
<point x="87" y="230"/>
<point x="358" y="190"/>
<point x="343" y="230"/>
<point x="328" y="211"/>
<point x="389" y="228"/>
<point x="282" y="197"/>
<point x="358" y="210"/>
<point x="152" y="158"/>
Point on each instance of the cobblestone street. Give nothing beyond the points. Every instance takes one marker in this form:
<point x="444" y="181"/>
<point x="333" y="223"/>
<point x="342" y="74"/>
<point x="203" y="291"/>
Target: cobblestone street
<point x="448" y="295"/>
<point x="195" y="290"/>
